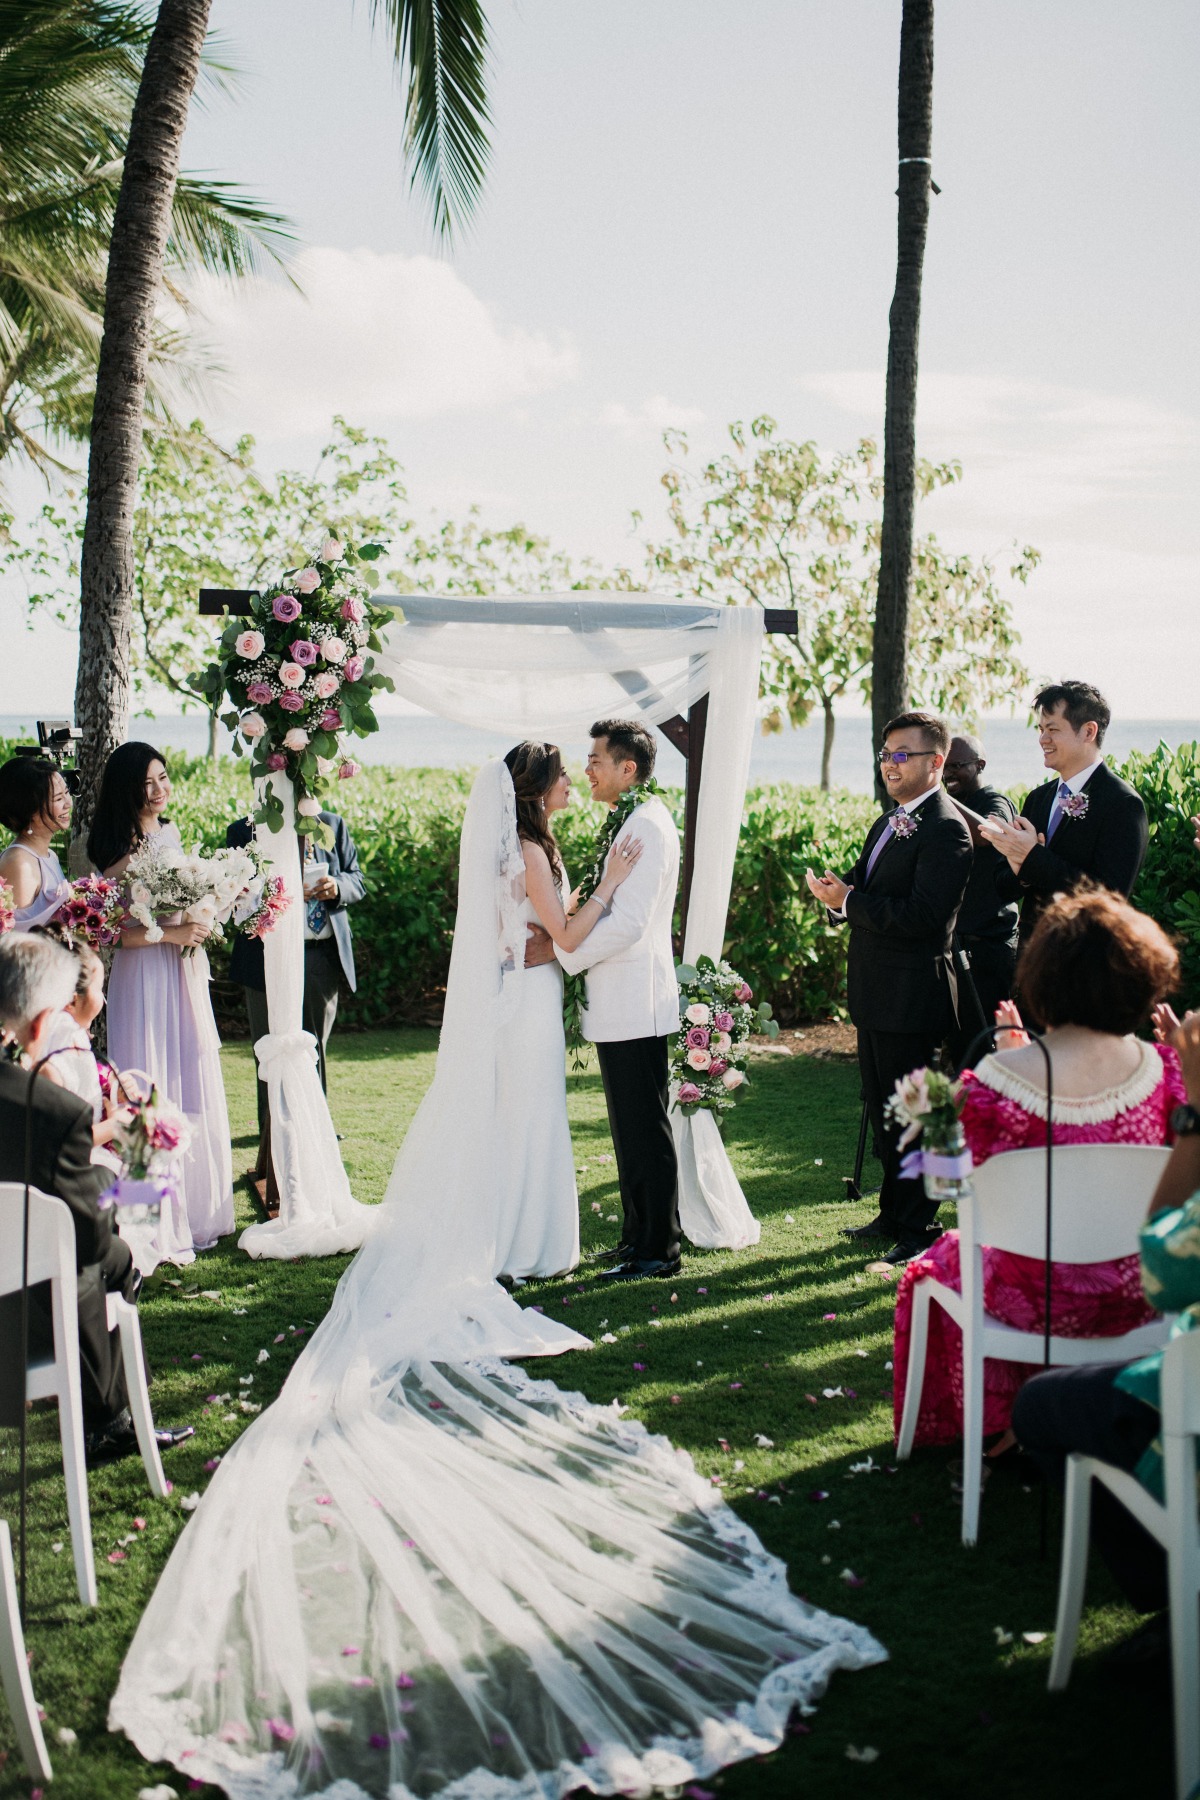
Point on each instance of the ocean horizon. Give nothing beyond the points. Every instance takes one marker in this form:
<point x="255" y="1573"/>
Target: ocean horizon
<point x="421" y="740"/>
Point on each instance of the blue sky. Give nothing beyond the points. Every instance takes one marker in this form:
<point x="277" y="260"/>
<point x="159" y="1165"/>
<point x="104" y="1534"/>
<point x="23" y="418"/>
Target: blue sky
<point x="689" y="219"/>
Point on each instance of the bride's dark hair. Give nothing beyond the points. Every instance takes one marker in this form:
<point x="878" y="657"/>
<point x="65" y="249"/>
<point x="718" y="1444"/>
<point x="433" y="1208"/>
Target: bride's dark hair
<point x="535" y="768"/>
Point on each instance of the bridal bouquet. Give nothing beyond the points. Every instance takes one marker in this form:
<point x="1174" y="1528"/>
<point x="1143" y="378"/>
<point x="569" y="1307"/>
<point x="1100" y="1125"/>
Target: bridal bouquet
<point x="708" y="1063"/>
<point x="300" y="676"/>
<point x="8" y="914"/>
<point x="94" y="910"/>
<point x="208" y="889"/>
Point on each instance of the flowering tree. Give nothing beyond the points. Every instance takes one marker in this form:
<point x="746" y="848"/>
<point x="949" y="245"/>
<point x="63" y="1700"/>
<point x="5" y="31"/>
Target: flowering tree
<point x="776" y="523"/>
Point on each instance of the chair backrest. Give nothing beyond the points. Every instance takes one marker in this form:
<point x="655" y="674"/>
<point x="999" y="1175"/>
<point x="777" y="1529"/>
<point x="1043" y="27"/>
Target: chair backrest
<point x="1180" y="1389"/>
<point x="1101" y="1194"/>
<point x="51" y="1237"/>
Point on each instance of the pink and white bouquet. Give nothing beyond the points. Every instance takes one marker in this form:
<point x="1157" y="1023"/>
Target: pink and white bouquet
<point x="263" y="904"/>
<point x="300" y="676"/>
<point x="708" y="1062"/>
<point x="153" y="1141"/>
<point x="94" y="910"/>
<point x="208" y="888"/>
<point x="8" y="912"/>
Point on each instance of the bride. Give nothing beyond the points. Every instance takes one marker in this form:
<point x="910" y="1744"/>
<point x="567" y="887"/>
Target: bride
<point x="422" y="1573"/>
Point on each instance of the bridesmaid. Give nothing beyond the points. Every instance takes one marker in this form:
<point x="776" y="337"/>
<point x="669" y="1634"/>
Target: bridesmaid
<point x="160" y="1016"/>
<point x="35" y="804"/>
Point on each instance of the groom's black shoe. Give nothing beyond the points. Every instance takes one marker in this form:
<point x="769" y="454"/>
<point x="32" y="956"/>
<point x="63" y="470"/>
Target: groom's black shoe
<point x="621" y="1253"/>
<point x="905" y="1250"/>
<point x="878" y="1227"/>
<point x="643" y="1271"/>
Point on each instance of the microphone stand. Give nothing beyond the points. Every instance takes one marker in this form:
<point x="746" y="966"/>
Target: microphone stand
<point x="988" y="1036"/>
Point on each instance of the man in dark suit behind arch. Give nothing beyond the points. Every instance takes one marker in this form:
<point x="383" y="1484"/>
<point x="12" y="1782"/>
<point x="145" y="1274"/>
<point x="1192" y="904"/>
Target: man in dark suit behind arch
<point x="1083" y="824"/>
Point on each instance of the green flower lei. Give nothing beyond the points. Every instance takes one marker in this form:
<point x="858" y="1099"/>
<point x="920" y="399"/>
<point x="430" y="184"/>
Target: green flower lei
<point x="575" y="986"/>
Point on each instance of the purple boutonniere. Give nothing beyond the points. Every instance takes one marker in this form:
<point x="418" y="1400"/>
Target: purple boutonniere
<point x="1073" y="806"/>
<point x="903" y="824"/>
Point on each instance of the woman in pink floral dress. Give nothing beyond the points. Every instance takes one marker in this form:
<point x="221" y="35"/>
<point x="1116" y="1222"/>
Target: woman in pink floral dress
<point x="1091" y="975"/>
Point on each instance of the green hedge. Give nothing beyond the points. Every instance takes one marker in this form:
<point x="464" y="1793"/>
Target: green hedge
<point x="406" y="824"/>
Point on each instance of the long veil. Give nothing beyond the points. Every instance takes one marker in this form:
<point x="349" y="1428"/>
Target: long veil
<point x="421" y="1572"/>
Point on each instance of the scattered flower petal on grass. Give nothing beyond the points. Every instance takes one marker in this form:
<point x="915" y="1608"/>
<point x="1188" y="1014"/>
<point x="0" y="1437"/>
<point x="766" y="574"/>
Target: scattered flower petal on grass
<point x="404" y="1680"/>
<point x="160" y="1791"/>
<point x="139" y="1524"/>
<point x="734" y="1385"/>
<point x="832" y="1393"/>
<point x="263" y="1356"/>
<point x="819" y="1494"/>
<point x="788" y="1219"/>
<point x="676" y="1400"/>
<point x="868" y="1753"/>
<point x="66" y="1737"/>
<point x="764" y="1443"/>
<point x="1033" y="1637"/>
<point x="248" y="1406"/>
<point x="211" y="1464"/>
<point x="702" y="1290"/>
<point x="595" y="1206"/>
<point x="351" y="1650"/>
<point x="280" y="1335"/>
<point x="610" y="1337"/>
<point x="1002" y="1637"/>
<point x="862" y="1353"/>
<point x="190" y="1502"/>
<point x="812" y="1399"/>
<point x="115" y="1556"/>
<point x="281" y="1729"/>
<point x="867" y="1467"/>
<point x="827" y="1318"/>
<point x="640" y="1367"/>
<point x="56" y="1549"/>
<point x="851" y="1579"/>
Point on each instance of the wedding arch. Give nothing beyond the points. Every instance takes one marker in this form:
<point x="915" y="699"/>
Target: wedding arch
<point x="541" y="666"/>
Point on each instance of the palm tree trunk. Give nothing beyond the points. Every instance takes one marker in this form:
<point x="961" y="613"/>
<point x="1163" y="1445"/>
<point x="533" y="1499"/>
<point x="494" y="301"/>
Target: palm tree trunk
<point x="827" y="743"/>
<point x="135" y="265"/>
<point x="889" y="669"/>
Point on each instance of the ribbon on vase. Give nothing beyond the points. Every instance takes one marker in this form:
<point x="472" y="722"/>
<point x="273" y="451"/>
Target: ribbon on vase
<point x="935" y="1162"/>
<point x="153" y="1191"/>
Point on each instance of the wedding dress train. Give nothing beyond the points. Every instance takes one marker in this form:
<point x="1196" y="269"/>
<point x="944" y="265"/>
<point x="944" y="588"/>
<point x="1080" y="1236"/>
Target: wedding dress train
<point x="423" y="1573"/>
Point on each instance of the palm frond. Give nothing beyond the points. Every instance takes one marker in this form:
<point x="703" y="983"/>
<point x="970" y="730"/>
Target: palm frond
<point x="443" y="44"/>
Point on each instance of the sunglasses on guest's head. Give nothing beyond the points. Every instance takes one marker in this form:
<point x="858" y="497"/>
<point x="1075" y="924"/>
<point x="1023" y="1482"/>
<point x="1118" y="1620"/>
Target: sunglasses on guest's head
<point x="900" y="757"/>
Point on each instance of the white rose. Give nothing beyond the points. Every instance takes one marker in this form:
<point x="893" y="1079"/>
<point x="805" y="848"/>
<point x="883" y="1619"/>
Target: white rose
<point x="722" y="1042"/>
<point x="139" y="893"/>
<point x="308" y="807"/>
<point x="326" y="765"/>
<point x="295" y="739"/>
<point x="334" y="650"/>
<point x="732" y="1078"/>
<point x="698" y="1014"/>
<point x="252" y="726"/>
<point x="331" y="551"/>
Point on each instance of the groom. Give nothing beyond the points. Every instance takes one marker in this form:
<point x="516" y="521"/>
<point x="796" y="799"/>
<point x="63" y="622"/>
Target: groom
<point x="633" y="1003"/>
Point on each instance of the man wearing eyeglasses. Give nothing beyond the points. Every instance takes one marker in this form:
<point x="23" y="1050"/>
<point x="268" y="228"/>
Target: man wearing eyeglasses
<point x="900" y="901"/>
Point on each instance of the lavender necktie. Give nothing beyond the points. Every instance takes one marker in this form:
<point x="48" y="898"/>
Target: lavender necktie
<point x="885" y="838"/>
<point x="1056" y="811"/>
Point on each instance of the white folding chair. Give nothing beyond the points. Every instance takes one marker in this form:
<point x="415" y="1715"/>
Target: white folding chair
<point x="14" y="1670"/>
<point x="1100" y="1198"/>
<point x="1177" y="1528"/>
<point x="54" y="1377"/>
<point x="125" y="1318"/>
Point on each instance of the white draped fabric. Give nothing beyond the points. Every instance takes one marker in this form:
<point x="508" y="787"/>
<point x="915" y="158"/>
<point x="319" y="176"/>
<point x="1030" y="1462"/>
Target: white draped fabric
<point x="318" y="1215"/>
<point x="546" y="666"/>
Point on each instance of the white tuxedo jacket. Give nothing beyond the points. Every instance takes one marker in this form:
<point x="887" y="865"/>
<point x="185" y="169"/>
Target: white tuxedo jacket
<point x="631" y="987"/>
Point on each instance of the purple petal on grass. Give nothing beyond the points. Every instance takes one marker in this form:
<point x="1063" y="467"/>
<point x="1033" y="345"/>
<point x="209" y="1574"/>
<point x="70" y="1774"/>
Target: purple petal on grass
<point x="702" y="1290"/>
<point x="640" y="1367"/>
<point x="819" y="1494"/>
<point x="405" y="1680"/>
<point x="351" y="1650"/>
<point x="362" y="1681"/>
<point x="378" y="1740"/>
<point x="827" y="1318"/>
<point x="733" y="1385"/>
<point x="281" y="1729"/>
<point x="850" y="1393"/>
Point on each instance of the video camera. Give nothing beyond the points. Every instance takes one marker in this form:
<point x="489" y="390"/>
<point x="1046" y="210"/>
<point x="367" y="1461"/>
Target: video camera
<point x="56" y="741"/>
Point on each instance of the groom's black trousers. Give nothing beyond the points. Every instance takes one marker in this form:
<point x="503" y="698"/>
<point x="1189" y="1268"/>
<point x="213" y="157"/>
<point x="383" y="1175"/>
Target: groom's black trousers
<point x="635" y="1087"/>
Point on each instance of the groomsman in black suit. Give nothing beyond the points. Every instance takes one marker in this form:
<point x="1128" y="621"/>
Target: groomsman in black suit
<point x="900" y="901"/>
<point x="987" y="924"/>
<point x="1086" y="823"/>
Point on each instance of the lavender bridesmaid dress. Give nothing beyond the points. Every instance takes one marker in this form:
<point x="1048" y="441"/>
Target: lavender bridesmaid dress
<point x="52" y="891"/>
<point x="160" y="1020"/>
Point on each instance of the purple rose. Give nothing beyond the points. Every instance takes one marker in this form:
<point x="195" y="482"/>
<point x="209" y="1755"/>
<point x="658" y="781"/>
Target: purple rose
<point x="353" y="668"/>
<point x="717" y="1066"/>
<point x="277" y="762"/>
<point x="697" y="1038"/>
<point x="330" y="720"/>
<point x="286" y="608"/>
<point x="724" y="1021"/>
<point x="744" y="993"/>
<point x="353" y="609"/>
<point x="689" y="1093"/>
<point x="304" y="651"/>
<point x="291" y="701"/>
<point x="258" y="693"/>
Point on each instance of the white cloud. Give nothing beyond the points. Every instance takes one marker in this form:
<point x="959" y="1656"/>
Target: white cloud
<point x="377" y="336"/>
<point x="656" y="414"/>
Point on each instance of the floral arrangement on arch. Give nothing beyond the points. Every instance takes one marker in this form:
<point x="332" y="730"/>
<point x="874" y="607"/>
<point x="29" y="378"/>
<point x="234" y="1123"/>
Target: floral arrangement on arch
<point x="708" y="1062"/>
<point x="301" y="677"/>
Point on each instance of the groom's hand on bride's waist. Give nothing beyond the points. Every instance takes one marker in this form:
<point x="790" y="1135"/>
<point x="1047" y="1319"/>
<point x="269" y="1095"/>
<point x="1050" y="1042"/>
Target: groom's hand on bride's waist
<point x="539" y="947"/>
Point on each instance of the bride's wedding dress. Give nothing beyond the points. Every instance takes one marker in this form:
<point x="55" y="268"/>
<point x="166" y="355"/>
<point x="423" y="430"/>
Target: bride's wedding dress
<point x="422" y="1573"/>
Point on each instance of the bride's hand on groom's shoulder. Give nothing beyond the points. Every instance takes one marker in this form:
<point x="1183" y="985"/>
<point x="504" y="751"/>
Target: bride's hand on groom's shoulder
<point x="623" y="859"/>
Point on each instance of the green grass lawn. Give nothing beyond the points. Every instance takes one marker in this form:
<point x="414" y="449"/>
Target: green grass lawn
<point x="955" y="1711"/>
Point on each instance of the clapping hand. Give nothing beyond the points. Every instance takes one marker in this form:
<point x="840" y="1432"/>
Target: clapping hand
<point x="1014" y="839"/>
<point x="828" y="889"/>
<point x="1014" y="1036"/>
<point x="1196" y="839"/>
<point x="1187" y="1042"/>
<point x="1165" y="1022"/>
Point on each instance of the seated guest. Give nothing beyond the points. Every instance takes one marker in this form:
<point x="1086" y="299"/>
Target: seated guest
<point x="986" y="928"/>
<point x="1111" y="1411"/>
<point x="1090" y="976"/>
<point x="332" y="882"/>
<point x="69" y="1036"/>
<point x="37" y="979"/>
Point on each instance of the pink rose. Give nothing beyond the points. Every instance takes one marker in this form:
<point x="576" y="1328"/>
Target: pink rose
<point x="165" y="1135"/>
<point x="251" y="645"/>
<point x="252" y="726"/>
<point x="744" y="993"/>
<point x="331" y="551"/>
<point x="259" y="692"/>
<point x="291" y="675"/>
<point x="309" y="807"/>
<point x="697" y="1038"/>
<point x="296" y="739"/>
<point x="353" y="608"/>
<point x="698" y="1059"/>
<point x="732" y="1078"/>
<point x="326" y="684"/>
<point x="717" y="1066"/>
<point x="286" y="608"/>
<point x="724" y="1021"/>
<point x="276" y="762"/>
<point x="333" y="649"/>
<point x="304" y="652"/>
<point x="307" y="581"/>
<point x="291" y="702"/>
<point x="330" y="720"/>
<point x="689" y="1093"/>
<point x="354" y="668"/>
<point x="349" y="770"/>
